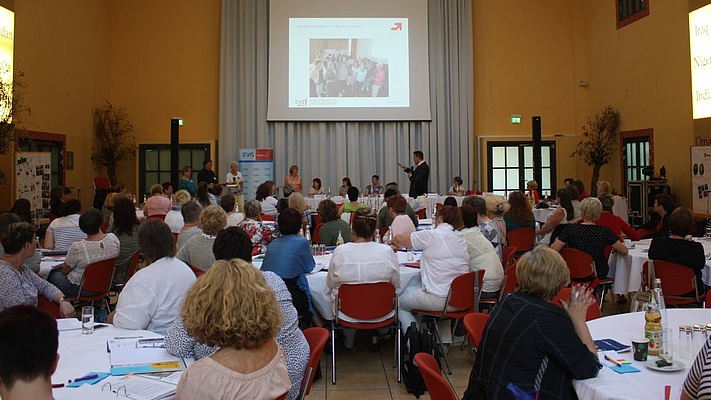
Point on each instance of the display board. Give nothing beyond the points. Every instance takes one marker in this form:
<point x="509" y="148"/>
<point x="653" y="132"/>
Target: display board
<point x="257" y="166"/>
<point x="33" y="181"/>
<point x="701" y="179"/>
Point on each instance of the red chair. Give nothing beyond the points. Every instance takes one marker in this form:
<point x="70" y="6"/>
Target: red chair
<point x="511" y="281"/>
<point x="104" y="228"/>
<point x="366" y="302"/>
<point x="51" y="308"/>
<point x="175" y="239"/>
<point x="196" y="271"/>
<point x="474" y="324"/>
<point x="463" y="296"/>
<point x="439" y="388"/>
<point x="507" y="255"/>
<point x="677" y="281"/>
<point x="317" y="233"/>
<point x="97" y="279"/>
<point x="523" y="239"/>
<point x="383" y="232"/>
<point x="581" y="266"/>
<point x="593" y="310"/>
<point x="317" y="338"/>
<point x="421" y="213"/>
<point x="707" y="303"/>
<point x="266" y="217"/>
<point x="133" y="265"/>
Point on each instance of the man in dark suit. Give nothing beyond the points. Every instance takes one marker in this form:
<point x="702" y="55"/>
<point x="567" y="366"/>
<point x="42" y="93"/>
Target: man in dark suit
<point x="207" y="175"/>
<point x="419" y="174"/>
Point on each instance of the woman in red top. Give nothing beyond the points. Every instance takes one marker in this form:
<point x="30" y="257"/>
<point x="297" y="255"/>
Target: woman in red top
<point x="615" y="223"/>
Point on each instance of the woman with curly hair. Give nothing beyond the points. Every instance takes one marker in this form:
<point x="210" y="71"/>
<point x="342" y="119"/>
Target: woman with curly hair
<point x="250" y="364"/>
<point x="520" y="215"/>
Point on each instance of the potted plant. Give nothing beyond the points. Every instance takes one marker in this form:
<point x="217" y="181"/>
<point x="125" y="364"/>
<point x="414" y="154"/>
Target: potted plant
<point x="113" y="139"/>
<point x="600" y="133"/>
<point x="12" y="111"/>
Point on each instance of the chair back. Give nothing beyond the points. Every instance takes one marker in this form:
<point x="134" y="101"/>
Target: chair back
<point x="523" y="239"/>
<point x="266" y="217"/>
<point x="317" y="338"/>
<point x="507" y="254"/>
<point x="133" y="265"/>
<point x="317" y="233"/>
<point x="474" y="324"/>
<point x="677" y="281"/>
<point x="156" y="217"/>
<point x="707" y="303"/>
<point x="438" y="387"/>
<point x="383" y="232"/>
<point x="593" y="311"/>
<point x="461" y="293"/>
<point x="366" y="301"/>
<point x="421" y="213"/>
<point x="97" y="278"/>
<point x="196" y="271"/>
<point x="46" y="305"/>
<point x="580" y="264"/>
<point x="511" y="280"/>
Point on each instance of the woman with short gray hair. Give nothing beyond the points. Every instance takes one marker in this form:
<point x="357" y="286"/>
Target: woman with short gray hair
<point x="260" y="233"/>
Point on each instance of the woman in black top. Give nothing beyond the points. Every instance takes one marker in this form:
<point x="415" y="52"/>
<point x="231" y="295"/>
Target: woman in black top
<point x="677" y="249"/>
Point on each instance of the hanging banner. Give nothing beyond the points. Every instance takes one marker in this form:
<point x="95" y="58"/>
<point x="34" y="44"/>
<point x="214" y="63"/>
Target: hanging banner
<point x="701" y="179"/>
<point x="33" y="180"/>
<point x="257" y="166"/>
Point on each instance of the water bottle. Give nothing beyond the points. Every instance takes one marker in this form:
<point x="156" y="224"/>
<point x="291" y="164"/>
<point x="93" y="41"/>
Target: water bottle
<point x="339" y="240"/>
<point x="377" y="236"/>
<point x="660" y="301"/>
<point x="390" y="236"/>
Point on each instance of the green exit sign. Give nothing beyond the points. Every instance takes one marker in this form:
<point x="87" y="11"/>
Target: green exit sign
<point x="515" y="118"/>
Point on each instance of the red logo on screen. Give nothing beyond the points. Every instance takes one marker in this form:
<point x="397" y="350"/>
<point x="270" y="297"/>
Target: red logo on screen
<point x="264" y="154"/>
<point x="397" y="27"/>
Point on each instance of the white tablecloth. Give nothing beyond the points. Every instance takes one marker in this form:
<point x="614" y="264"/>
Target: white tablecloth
<point x="80" y="354"/>
<point x="48" y="264"/>
<point x="542" y="214"/>
<point x="627" y="270"/>
<point x="646" y="384"/>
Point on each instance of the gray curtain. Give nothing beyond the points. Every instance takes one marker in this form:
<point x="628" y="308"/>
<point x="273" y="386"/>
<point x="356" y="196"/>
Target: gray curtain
<point x="333" y="150"/>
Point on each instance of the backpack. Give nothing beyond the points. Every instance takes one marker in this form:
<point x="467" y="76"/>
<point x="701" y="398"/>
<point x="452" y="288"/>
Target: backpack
<point x="418" y="342"/>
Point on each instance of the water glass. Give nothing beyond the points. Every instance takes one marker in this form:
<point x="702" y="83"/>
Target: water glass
<point x="87" y="320"/>
<point x="685" y="341"/>
<point x="410" y="254"/>
<point x="667" y="350"/>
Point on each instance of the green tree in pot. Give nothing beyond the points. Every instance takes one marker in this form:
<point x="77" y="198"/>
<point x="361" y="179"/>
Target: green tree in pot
<point x="12" y="111"/>
<point x="600" y="133"/>
<point x="113" y="139"/>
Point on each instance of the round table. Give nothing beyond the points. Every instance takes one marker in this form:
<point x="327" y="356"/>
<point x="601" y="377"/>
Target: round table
<point x="646" y="384"/>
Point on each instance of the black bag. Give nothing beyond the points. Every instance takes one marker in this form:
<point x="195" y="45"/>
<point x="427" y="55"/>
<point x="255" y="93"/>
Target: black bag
<point x="418" y="342"/>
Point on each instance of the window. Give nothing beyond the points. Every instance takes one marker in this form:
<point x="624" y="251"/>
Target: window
<point x="511" y="166"/>
<point x="637" y="153"/>
<point x="629" y="11"/>
<point x="154" y="163"/>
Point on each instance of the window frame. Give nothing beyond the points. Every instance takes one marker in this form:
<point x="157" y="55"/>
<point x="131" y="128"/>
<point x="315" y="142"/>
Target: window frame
<point x="621" y="23"/>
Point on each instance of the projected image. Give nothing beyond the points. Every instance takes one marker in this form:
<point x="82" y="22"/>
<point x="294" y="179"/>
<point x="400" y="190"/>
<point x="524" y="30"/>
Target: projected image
<point x="347" y="68"/>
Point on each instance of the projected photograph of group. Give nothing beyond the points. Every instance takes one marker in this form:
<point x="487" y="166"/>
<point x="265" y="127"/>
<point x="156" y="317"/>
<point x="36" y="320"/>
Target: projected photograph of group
<point x="347" y="68"/>
<point x="348" y="63"/>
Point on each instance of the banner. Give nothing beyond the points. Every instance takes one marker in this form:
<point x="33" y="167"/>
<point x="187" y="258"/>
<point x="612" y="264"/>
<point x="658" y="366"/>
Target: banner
<point x="33" y="181"/>
<point x="257" y="167"/>
<point x="701" y="179"/>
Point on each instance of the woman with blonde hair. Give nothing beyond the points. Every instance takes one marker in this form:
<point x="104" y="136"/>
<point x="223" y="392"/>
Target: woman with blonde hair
<point x="603" y="187"/>
<point x="213" y="219"/>
<point x="496" y="206"/>
<point x="232" y="307"/>
<point x="297" y="201"/>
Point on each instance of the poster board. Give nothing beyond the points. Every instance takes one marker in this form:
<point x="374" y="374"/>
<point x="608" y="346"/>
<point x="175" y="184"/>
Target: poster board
<point x="701" y="180"/>
<point x="33" y="181"/>
<point x="257" y="166"/>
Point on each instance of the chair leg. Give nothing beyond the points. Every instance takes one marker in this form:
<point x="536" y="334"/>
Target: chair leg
<point x="333" y="353"/>
<point x="438" y="338"/>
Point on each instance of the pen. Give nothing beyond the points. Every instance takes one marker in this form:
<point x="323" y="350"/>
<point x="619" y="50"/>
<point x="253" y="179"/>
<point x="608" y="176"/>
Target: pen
<point x="608" y="358"/>
<point x="57" y="385"/>
<point x="86" y="378"/>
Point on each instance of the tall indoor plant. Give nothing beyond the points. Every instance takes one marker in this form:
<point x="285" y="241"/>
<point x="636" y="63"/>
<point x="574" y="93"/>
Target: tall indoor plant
<point x="12" y="111"/>
<point x="113" y="139"/>
<point x="600" y="133"/>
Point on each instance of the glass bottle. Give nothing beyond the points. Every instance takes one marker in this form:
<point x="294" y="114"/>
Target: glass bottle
<point x="339" y="240"/>
<point x="377" y="236"/>
<point x="653" y="325"/>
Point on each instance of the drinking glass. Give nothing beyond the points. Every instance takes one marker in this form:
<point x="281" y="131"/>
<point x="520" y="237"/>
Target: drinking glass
<point x="87" y="320"/>
<point x="667" y="350"/>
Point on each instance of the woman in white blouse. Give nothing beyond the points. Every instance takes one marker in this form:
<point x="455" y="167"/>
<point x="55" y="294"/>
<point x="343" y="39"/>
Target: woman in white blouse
<point x="361" y="261"/>
<point x="444" y="257"/>
<point x="265" y="196"/>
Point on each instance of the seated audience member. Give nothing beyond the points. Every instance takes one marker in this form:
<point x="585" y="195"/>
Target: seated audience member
<point x="191" y="222"/>
<point x="289" y="256"/>
<point x="374" y="189"/>
<point x="228" y="203"/>
<point x="316" y="188"/>
<point x="582" y="194"/>
<point x="332" y="224"/>
<point x="174" y="218"/>
<point x="511" y="352"/>
<point x="157" y="204"/>
<point x="402" y="224"/>
<point x="260" y="233"/>
<point x="233" y="243"/>
<point x="107" y="210"/>
<point x="616" y="224"/>
<point x="125" y="228"/>
<point x="297" y="202"/>
<point x="444" y="257"/>
<point x="361" y="261"/>
<point x="22" y="207"/>
<point x="384" y="217"/>
<point x="589" y="237"/>
<point x="698" y="380"/>
<point x="457" y="188"/>
<point x="343" y="190"/>
<point x="532" y="191"/>
<point x="29" y="341"/>
<point x="64" y="231"/>
<point x="231" y="307"/>
<point x="658" y="225"/>
<point x="97" y="246"/>
<point x="57" y="197"/>
<point x="19" y="285"/>
<point x="213" y="219"/>
<point x="186" y="181"/>
<point x="203" y="196"/>
<point x="151" y="299"/>
<point x="496" y="207"/>
<point x="478" y="203"/>
<point x="482" y="255"/>
<point x="450" y="201"/>
<point x="393" y="186"/>
<point x="33" y="262"/>
<point x="352" y="204"/>
<point x="603" y="187"/>
<point x="675" y="248"/>
<point x="568" y="181"/>
<point x="520" y="214"/>
<point x="573" y="194"/>
<point x="168" y="190"/>
<point x="283" y="203"/>
<point x="265" y="196"/>
<point x="561" y="217"/>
